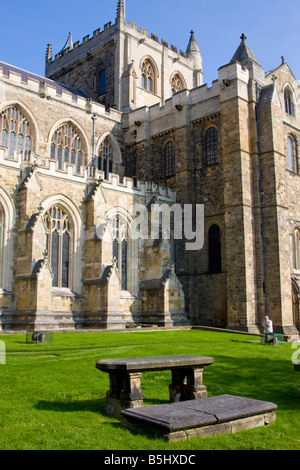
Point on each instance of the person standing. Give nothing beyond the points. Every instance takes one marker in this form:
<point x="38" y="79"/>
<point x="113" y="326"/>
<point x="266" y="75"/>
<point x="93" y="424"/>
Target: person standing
<point x="268" y="329"/>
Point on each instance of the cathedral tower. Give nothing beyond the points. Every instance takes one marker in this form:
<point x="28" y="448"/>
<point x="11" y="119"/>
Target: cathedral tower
<point x="124" y="67"/>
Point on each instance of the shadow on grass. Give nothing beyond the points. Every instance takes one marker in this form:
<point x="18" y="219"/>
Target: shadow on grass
<point x="270" y="379"/>
<point x="96" y="406"/>
<point x="67" y="406"/>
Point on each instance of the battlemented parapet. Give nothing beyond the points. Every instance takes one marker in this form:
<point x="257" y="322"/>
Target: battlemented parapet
<point x="90" y="45"/>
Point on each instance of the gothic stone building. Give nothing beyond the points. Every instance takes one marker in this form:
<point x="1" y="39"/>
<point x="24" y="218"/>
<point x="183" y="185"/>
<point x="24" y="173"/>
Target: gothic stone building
<point x="122" y="119"/>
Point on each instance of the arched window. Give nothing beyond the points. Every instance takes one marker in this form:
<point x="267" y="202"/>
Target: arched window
<point x="58" y="232"/>
<point x="176" y="84"/>
<point x="292" y="154"/>
<point x="15" y="134"/>
<point x="214" y="250"/>
<point x="168" y="160"/>
<point x="296" y="249"/>
<point x="120" y="248"/>
<point x="288" y="102"/>
<point x="147" y="78"/>
<point x="105" y="158"/>
<point x="66" y="147"/>
<point x="211" y="152"/>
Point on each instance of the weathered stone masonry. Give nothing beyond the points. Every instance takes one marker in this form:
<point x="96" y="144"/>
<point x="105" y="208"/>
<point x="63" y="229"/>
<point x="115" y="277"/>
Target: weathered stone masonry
<point x="123" y="119"/>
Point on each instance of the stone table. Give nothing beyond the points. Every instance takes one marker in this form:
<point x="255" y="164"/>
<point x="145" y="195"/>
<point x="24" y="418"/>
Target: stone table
<point x="125" y="379"/>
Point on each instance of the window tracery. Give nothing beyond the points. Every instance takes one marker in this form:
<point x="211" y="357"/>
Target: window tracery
<point x="105" y="157"/>
<point x="15" y="133"/>
<point x="147" y="78"/>
<point x="66" y="147"/>
<point x="58" y="236"/>
<point x="176" y="84"/>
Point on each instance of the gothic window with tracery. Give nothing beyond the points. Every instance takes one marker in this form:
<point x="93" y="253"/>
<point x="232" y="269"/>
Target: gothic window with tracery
<point x="147" y="79"/>
<point x="211" y="151"/>
<point x="105" y="158"/>
<point x="176" y="84"/>
<point x="66" y="147"/>
<point x="58" y="233"/>
<point x="120" y="248"/>
<point x="15" y="134"/>
<point x="289" y="102"/>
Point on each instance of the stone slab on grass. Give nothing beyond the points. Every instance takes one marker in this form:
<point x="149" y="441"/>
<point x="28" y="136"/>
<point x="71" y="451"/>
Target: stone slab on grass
<point x="204" y="417"/>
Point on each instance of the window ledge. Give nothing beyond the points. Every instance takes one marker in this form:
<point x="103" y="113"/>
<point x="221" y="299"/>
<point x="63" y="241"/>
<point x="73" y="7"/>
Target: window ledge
<point x="150" y="92"/>
<point x="62" y="292"/>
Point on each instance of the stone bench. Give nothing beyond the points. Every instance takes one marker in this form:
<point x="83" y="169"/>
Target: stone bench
<point x="125" y="379"/>
<point x="200" y="418"/>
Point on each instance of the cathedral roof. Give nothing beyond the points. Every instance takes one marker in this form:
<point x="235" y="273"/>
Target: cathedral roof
<point x="7" y="68"/>
<point x="243" y="52"/>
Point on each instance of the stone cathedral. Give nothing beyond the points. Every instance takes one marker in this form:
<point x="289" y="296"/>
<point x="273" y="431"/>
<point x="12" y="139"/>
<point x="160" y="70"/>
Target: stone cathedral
<point x="121" y="120"/>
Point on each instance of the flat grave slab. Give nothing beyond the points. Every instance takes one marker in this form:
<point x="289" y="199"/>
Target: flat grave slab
<point x="204" y="417"/>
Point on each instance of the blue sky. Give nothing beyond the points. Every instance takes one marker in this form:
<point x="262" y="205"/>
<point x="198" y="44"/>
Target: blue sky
<point x="271" y="27"/>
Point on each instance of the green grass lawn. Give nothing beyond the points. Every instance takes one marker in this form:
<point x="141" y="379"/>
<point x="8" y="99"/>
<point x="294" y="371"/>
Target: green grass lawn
<point x="53" y="397"/>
